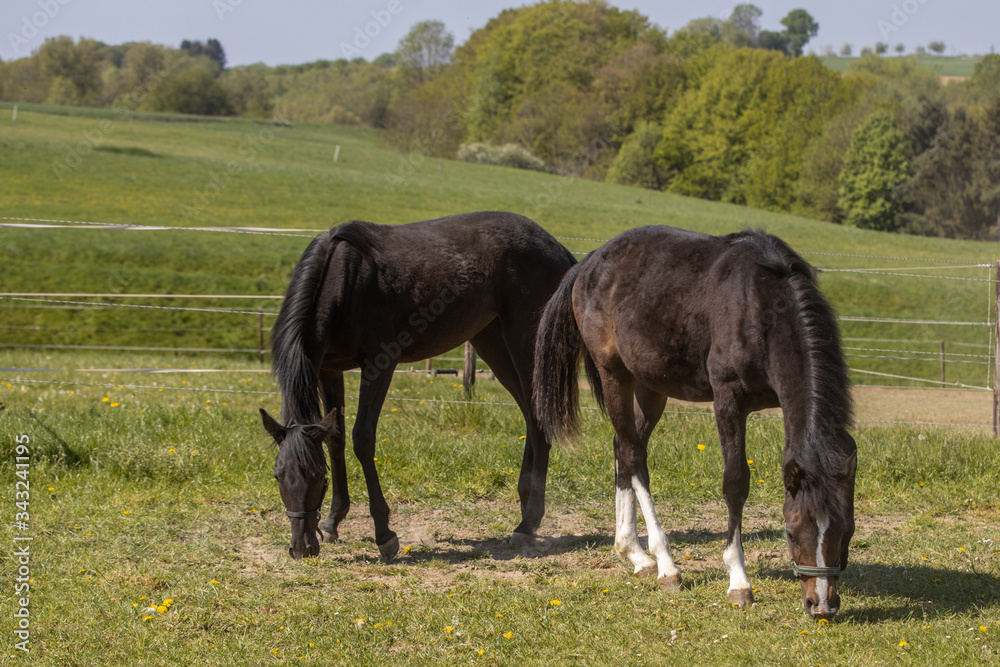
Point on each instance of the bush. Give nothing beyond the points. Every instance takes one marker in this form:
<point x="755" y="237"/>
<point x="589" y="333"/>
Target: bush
<point x="508" y="155"/>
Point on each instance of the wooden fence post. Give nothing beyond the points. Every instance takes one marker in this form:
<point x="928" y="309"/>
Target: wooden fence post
<point x="996" y="350"/>
<point x="469" y="369"/>
<point x="260" y="334"/>
<point x="942" y="364"/>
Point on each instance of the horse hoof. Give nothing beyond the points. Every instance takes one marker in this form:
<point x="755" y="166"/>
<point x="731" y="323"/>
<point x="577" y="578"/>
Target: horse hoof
<point x="741" y="597"/>
<point x="521" y="540"/>
<point x="670" y="583"/>
<point x="389" y="548"/>
<point x="645" y="571"/>
<point x="328" y="534"/>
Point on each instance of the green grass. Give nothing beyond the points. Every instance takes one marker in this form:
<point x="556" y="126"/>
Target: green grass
<point x="245" y="174"/>
<point x="940" y="65"/>
<point x="160" y="483"/>
<point x="156" y="494"/>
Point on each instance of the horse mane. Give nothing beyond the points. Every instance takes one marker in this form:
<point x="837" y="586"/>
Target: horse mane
<point x="831" y="407"/>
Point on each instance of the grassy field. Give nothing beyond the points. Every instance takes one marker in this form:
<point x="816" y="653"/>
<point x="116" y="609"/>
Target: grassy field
<point x="153" y="487"/>
<point x="941" y="65"/>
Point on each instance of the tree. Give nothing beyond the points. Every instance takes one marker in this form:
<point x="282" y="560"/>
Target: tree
<point x="846" y="50"/>
<point x="195" y="90"/>
<point x="425" y="49"/>
<point x="743" y="26"/>
<point x="74" y="70"/>
<point x="773" y="41"/>
<point x="874" y="167"/>
<point x="212" y="48"/>
<point x="634" y="164"/>
<point x="800" y="27"/>
<point x="937" y="47"/>
<point x="986" y="75"/>
<point x="900" y="48"/>
<point x="881" y="48"/>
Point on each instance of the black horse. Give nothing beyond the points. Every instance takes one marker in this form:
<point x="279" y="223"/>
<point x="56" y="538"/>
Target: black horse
<point x="661" y="312"/>
<point x="371" y="296"/>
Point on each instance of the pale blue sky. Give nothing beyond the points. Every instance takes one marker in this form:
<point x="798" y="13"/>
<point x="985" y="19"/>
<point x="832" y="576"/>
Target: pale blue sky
<point x="299" y="31"/>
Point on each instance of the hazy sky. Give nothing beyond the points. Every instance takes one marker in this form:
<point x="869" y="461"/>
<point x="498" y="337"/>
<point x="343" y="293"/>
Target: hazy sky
<point x="299" y="31"/>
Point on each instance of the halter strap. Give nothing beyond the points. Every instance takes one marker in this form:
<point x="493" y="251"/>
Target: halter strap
<point x="812" y="571"/>
<point x="311" y="513"/>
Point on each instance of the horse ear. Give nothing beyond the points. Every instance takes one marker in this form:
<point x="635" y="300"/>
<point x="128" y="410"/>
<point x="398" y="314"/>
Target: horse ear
<point x="793" y="477"/>
<point x="272" y="426"/>
<point x="851" y="466"/>
<point x="329" y="423"/>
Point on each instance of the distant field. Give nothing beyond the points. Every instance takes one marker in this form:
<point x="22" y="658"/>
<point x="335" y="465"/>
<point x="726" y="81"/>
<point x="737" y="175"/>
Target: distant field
<point x="941" y="65"/>
<point x="91" y="165"/>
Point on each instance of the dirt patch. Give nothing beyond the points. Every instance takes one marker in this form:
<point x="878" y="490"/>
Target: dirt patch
<point x="944" y="406"/>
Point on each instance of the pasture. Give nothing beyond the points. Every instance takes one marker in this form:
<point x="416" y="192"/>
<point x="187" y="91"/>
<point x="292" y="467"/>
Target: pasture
<point x="152" y="487"/>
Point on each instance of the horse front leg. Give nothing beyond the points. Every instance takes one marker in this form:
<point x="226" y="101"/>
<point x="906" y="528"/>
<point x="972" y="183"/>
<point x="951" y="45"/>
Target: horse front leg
<point x="372" y="396"/>
<point x="730" y="421"/>
<point x="332" y="387"/>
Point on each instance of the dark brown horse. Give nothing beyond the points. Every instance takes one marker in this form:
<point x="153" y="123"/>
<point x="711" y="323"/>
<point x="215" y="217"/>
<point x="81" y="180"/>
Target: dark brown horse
<point x="372" y="296"/>
<point x="738" y="320"/>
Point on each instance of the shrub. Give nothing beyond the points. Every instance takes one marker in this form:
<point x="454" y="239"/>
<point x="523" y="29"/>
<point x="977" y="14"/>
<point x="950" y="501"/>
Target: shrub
<point x="508" y="155"/>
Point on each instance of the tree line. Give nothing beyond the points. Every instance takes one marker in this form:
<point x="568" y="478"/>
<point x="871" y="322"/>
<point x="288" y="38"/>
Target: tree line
<point x="718" y="109"/>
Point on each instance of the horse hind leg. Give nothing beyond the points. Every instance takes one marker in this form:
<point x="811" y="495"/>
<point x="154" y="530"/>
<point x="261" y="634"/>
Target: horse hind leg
<point x="632" y="426"/>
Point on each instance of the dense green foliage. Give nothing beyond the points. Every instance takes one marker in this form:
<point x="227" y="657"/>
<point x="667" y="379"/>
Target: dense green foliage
<point x="874" y="168"/>
<point x="585" y="87"/>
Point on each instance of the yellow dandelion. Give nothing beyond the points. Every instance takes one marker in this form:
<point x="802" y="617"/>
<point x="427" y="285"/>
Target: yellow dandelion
<point x="146" y="618"/>
<point x="961" y="548"/>
<point x="903" y="644"/>
<point x="701" y="447"/>
<point x="52" y="488"/>
<point x="523" y="437"/>
<point x="508" y="635"/>
<point x="213" y="582"/>
<point x="982" y="628"/>
<point x="171" y="451"/>
<point x="480" y="652"/>
<point x="750" y="462"/>
<point x="142" y="598"/>
<point x="168" y="601"/>
<point x="311" y="644"/>
<point x="115" y="405"/>
<point x="555" y="603"/>
<point x="687" y="556"/>
<point x="448" y="629"/>
<point x="927" y="627"/>
<point x="407" y="549"/>
<point x="804" y="632"/>
<point x="126" y="512"/>
<point x="161" y="609"/>
<point x="921" y="482"/>
<point x="499" y="615"/>
<point x="105" y="400"/>
<point x="822" y="621"/>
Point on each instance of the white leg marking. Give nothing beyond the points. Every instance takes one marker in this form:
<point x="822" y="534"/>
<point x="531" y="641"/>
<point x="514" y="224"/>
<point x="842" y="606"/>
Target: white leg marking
<point x="822" y="583"/>
<point x="733" y="558"/>
<point x="626" y="533"/>
<point x="658" y="545"/>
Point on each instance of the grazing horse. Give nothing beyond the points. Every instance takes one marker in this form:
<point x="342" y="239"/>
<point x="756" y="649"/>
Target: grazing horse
<point x="659" y="312"/>
<point x="372" y="296"/>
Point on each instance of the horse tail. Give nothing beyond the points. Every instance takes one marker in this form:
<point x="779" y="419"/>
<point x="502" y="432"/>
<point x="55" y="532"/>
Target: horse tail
<point x="558" y="349"/>
<point x="293" y="347"/>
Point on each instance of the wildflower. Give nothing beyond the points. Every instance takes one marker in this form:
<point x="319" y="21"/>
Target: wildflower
<point x="480" y="652"/>
<point x="213" y="582"/>
<point x="508" y="635"/>
<point x="105" y="400"/>
<point x="982" y="628"/>
<point x="448" y="629"/>
<point x="126" y="512"/>
<point x="687" y="556"/>
<point x="115" y="405"/>
<point x="407" y="549"/>
<point x="750" y="462"/>
<point x="961" y="548"/>
<point x="555" y="603"/>
<point x="822" y="621"/>
<point x="171" y="451"/>
<point x="146" y="618"/>
<point x="804" y="632"/>
<point x="903" y="644"/>
<point x="52" y="488"/>
<point x="161" y="609"/>
<point x="359" y="622"/>
<point x="927" y="627"/>
<point x="921" y="482"/>
<point x="701" y="447"/>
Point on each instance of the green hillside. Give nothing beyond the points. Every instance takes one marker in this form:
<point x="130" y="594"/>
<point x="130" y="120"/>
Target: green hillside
<point x="93" y="166"/>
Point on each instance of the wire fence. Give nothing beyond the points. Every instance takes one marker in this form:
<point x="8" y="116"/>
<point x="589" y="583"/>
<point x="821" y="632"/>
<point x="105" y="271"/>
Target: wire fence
<point x="861" y="351"/>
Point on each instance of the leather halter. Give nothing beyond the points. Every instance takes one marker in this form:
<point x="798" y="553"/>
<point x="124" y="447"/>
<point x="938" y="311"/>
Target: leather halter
<point x="812" y="571"/>
<point x="311" y="513"/>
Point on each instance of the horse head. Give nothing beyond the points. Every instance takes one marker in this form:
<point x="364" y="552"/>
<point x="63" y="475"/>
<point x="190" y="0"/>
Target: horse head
<point x="300" y="468"/>
<point x="819" y="524"/>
